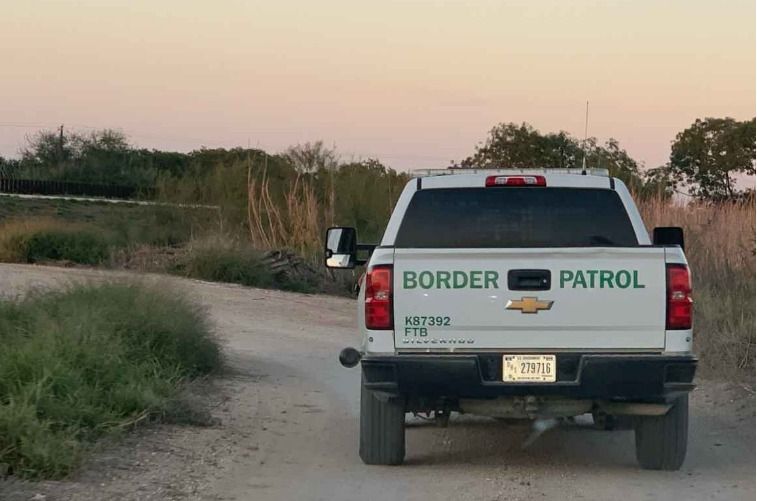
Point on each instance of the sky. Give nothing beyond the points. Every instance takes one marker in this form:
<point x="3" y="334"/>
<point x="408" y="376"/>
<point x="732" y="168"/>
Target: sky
<point x="416" y="84"/>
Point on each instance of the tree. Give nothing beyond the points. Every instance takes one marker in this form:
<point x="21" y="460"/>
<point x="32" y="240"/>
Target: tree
<point x="706" y="156"/>
<point x="48" y="148"/>
<point x="7" y="167"/>
<point x="657" y="181"/>
<point x="521" y="146"/>
<point x="312" y="157"/>
<point x="102" y="156"/>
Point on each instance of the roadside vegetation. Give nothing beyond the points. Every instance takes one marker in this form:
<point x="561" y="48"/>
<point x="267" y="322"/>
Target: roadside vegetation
<point x="123" y="223"/>
<point x="90" y="361"/>
<point x="720" y="248"/>
<point x="220" y="259"/>
<point x="40" y="240"/>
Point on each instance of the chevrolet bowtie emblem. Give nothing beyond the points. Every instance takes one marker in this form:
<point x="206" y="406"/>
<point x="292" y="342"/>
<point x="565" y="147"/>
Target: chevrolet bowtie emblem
<point x="528" y="305"/>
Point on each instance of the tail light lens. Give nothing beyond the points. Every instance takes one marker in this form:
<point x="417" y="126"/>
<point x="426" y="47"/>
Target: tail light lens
<point x="378" y="298"/>
<point x="493" y="181"/>
<point x="679" y="306"/>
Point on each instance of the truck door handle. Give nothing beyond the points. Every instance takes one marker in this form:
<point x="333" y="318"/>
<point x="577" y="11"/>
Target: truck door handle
<point x="529" y="280"/>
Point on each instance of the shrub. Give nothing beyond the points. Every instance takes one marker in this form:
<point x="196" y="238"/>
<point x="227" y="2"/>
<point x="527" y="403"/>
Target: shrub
<point x="223" y="260"/>
<point x="91" y="360"/>
<point x="79" y="246"/>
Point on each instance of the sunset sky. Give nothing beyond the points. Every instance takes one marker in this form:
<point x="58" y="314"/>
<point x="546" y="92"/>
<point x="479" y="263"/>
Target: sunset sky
<point x="413" y="83"/>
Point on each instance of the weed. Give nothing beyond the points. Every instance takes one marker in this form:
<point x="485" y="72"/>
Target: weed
<point x="88" y="361"/>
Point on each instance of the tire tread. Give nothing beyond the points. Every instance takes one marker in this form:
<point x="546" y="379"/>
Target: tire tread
<point x="661" y="440"/>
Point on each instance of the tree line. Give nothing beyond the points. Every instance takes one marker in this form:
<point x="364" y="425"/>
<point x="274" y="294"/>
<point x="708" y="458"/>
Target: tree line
<point x="705" y="160"/>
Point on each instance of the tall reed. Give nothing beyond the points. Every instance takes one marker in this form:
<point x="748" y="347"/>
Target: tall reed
<point x="296" y="222"/>
<point x="720" y="248"/>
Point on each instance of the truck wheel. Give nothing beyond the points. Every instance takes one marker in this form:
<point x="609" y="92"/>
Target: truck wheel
<point x="661" y="440"/>
<point x="382" y="428"/>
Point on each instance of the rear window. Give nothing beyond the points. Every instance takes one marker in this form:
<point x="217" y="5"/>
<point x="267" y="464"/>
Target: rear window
<point x="515" y="217"/>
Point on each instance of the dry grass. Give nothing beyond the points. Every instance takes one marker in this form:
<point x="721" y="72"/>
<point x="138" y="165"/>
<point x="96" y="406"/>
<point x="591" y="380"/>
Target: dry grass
<point x="297" y="224"/>
<point x="720" y="248"/>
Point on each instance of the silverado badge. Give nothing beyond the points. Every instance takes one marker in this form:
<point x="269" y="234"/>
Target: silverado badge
<point x="528" y="305"/>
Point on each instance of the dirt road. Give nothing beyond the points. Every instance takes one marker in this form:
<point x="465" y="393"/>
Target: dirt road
<point x="288" y="428"/>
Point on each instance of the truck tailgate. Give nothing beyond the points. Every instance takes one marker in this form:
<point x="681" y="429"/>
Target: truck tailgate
<point x="596" y="299"/>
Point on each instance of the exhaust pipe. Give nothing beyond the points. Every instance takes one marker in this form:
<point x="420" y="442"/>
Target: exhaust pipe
<point x="349" y="357"/>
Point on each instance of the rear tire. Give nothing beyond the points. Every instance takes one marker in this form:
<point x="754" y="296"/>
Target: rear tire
<point x="661" y="440"/>
<point x="382" y="428"/>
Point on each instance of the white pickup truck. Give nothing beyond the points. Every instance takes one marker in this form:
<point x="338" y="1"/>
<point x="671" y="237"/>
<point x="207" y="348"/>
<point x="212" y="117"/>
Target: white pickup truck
<point x="522" y="294"/>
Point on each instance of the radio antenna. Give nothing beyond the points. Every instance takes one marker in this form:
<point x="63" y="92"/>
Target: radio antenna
<point x="586" y="136"/>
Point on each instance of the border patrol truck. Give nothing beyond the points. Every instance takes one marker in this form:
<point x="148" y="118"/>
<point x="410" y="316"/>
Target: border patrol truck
<point x="521" y="295"/>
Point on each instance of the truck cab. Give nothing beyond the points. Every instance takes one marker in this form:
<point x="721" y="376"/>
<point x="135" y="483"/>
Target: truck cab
<point x="520" y="294"/>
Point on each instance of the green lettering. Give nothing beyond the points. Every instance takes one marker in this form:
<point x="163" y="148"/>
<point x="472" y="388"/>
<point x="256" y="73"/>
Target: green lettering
<point x="426" y="279"/>
<point x="605" y="278"/>
<point x="580" y="279"/>
<point x="475" y="279"/>
<point x="636" y="284"/>
<point x="592" y="274"/>
<point x="623" y="279"/>
<point x="565" y="276"/>
<point x="442" y="277"/>
<point x="409" y="280"/>
<point x="459" y="279"/>
<point x="490" y="280"/>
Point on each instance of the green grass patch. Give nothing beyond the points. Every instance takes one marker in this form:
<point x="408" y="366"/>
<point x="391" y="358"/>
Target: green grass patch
<point x="88" y="361"/>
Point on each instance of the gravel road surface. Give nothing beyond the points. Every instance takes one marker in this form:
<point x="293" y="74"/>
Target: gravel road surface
<point x="287" y="427"/>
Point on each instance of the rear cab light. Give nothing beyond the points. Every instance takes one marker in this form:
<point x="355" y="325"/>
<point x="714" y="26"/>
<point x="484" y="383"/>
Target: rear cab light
<point x="679" y="305"/>
<point x="496" y="181"/>
<point x="379" y="314"/>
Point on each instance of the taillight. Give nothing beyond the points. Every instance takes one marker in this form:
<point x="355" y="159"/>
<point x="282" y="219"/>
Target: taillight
<point x="492" y="181"/>
<point x="679" y="305"/>
<point x="378" y="297"/>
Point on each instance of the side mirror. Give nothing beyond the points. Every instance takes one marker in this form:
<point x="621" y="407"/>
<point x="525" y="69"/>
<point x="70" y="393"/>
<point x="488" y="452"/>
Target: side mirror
<point x="668" y="235"/>
<point x="341" y="247"/>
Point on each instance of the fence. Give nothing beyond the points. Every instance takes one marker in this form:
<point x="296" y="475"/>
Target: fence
<point x="43" y="187"/>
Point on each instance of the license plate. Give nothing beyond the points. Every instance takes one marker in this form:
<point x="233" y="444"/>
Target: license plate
<point x="529" y="368"/>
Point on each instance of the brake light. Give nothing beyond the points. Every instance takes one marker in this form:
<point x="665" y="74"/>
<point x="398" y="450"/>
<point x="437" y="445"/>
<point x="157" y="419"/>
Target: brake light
<point x="378" y="297"/>
<point x="679" y="305"/>
<point x="492" y="181"/>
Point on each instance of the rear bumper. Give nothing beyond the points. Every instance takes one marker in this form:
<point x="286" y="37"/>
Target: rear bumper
<point x="629" y="377"/>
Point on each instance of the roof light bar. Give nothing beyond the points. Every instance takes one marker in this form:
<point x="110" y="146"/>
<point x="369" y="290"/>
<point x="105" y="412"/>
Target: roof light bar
<point x="504" y="172"/>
